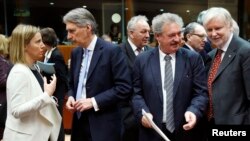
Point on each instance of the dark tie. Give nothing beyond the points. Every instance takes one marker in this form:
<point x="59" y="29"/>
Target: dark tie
<point x="82" y="77"/>
<point x="139" y="50"/>
<point x="211" y="76"/>
<point x="168" y="86"/>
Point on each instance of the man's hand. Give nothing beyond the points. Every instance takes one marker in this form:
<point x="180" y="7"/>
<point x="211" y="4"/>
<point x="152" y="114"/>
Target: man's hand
<point x="70" y="104"/>
<point x="190" y="119"/>
<point x="83" y="104"/>
<point x="145" y="122"/>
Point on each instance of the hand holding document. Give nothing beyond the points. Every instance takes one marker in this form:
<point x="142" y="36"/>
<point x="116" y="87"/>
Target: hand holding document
<point x="46" y="67"/>
<point x="155" y="127"/>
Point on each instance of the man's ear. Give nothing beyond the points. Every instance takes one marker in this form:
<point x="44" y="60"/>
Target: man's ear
<point x="157" y="36"/>
<point x="89" y="27"/>
<point x="130" y="32"/>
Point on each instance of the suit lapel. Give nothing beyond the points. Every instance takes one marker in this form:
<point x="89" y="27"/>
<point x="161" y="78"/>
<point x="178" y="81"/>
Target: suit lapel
<point x="130" y="54"/>
<point x="79" y="54"/>
<point x="179" y="69"/>
<point x="95" y="57"/>
<point x="156" y="72"/>
<point x="228" y="57"/>
<point x="186" y="47"/>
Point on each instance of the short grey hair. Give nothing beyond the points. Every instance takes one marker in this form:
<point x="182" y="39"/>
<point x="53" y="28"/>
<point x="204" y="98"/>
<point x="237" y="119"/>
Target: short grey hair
<point x="132" y="22"/>
<point x="218" y="12"/>
<point x="190" y="28"/>
<point x="81" y="17"/>
<point x="165" y="18"/>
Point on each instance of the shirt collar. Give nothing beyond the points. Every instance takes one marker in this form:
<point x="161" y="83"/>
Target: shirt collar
<point x="225" y="47"/>
<point x="92" y="44"/>
<point x="191" y="48"/>
<point x="49" y="52"/>
<point x="162" y="55"/>
<point x="134" y="47"/>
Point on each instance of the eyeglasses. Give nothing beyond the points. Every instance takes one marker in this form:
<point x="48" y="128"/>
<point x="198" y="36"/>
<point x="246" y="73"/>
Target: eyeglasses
<point x="201" y="36"/>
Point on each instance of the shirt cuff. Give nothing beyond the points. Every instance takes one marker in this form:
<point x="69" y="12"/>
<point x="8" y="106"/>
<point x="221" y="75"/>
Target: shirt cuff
<point x="95" y="104"/>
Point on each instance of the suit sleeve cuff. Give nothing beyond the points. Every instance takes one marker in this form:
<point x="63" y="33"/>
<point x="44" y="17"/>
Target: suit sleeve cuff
<point x="95" y="104"/>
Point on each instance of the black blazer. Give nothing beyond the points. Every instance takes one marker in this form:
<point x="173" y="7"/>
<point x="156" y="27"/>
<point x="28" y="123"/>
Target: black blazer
<point x="190" y="89"/>
<point x="109" y="82"/>
<point x="231" y="85"/>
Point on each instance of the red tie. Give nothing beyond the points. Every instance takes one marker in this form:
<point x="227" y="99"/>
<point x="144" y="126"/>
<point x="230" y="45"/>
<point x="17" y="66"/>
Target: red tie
<point x="213" y="71"/>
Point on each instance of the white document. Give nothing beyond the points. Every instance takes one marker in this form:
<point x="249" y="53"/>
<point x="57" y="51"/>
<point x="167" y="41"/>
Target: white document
<point x="155" y="127"/>
<point x="46" y="67"/>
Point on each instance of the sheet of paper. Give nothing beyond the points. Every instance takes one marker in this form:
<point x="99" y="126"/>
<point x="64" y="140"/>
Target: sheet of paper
<point x="155" y="127"/>
<point x="46" y="67"/>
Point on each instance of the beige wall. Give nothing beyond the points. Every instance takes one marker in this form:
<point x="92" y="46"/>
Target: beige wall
<point x="230" y="5"/>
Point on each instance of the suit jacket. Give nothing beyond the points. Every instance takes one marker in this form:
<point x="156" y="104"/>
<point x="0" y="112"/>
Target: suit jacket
<point x="230" y="88"/>
<point x="130" y="126"/>
<point x="203" y="53"/>
<point x="61" y="73"/>
<point x="31" y="115"/>
<point x="109" y="82"/>
<point x="207" y="46"/>
<point x="190" y="91"/>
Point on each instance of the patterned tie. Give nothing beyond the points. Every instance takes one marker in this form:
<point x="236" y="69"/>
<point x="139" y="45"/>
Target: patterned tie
<point x="82" y="78"/>
<point x="168" y="86"/>
<point x="213" y="72"/>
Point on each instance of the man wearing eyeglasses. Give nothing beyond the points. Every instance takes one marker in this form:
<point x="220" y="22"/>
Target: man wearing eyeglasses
<point x="195" y="38"/>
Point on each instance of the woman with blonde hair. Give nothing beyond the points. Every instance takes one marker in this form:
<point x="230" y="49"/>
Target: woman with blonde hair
<point x="32" y="113"/>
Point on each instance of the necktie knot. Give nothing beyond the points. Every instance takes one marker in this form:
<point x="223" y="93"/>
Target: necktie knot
<point x="219" y="52"/>
<point x="167" y="58"/>
<point x="86" y="52"/>
<point x="139" y="50"/>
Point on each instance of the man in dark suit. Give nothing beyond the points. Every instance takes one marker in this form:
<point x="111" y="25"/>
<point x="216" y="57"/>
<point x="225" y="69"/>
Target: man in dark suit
<point x="138" y="36"/>
<point x="229" y="79"/>
<point x="99" y="80"/>
<point x="53" y="55"/>
<point x="175" y="107"/>
<point x="195" y="37"/>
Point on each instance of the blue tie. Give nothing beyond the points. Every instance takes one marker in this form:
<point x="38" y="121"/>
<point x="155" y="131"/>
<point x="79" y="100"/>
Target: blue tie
<point x="168" y="86"/>
<point x="81" y="92"/>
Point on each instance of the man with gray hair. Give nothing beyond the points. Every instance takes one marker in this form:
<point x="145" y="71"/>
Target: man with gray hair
<point x="229" y="75"/>
<point x="169" y="84"/>
<point x="99" y="80"/>
<point x="138" y="31"/>
<point x="195" y="37"/>
<point x="138" y="36"/>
